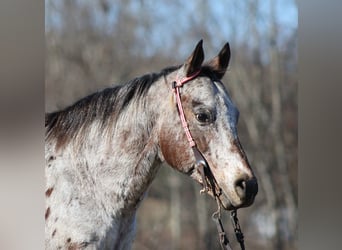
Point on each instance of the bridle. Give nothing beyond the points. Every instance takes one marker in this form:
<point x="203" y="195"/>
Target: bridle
<point x="202" y="166"/>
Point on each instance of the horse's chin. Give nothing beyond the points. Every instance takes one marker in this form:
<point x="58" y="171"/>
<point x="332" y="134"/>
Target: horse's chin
<point x="225" y="203"/>
<point x="223" y="199"/>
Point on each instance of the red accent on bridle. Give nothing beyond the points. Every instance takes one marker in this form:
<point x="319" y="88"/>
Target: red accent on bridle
<point x="176" y="85"/>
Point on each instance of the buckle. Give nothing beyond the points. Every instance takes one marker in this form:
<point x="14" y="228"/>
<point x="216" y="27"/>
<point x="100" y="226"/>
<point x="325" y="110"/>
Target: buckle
<point x="174" y="84"/>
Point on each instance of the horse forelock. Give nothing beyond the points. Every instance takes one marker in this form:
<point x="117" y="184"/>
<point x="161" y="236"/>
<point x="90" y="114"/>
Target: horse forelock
<point x="207" y="70"/>
<point x="104" y="106"/>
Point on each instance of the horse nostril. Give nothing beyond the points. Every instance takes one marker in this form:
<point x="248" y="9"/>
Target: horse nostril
<point x="246" y="188"/>
<point x="240" y="188"/>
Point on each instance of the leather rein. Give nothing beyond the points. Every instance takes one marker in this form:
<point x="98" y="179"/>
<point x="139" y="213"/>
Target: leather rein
<point x="202" y="166"/>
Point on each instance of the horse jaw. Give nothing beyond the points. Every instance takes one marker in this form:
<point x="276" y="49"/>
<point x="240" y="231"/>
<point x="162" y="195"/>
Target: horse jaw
<point x="222" y="197"/>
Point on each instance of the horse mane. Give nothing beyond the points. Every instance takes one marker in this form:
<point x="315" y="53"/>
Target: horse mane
<point x="103" y="106"/>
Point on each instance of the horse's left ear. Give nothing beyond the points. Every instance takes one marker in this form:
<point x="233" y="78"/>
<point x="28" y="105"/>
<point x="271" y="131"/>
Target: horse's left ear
<point x="195" y="60"/>
<point x="220" y="63"/>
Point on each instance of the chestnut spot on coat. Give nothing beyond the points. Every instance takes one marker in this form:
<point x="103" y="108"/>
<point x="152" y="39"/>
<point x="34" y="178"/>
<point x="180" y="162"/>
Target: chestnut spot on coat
<point x="73" y="246"/>
<point x="174" y="151"/>
<point x="47" y="213"/>
<point x="48" y="192"/>
<point x="51" y="158"/>
<point x="76" y="246"/>
<point x="54" y="232"/>
<point x="237" y="148"/>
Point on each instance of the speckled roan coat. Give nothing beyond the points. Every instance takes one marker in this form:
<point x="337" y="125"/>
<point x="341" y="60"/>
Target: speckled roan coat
<point x="103" y="152"/>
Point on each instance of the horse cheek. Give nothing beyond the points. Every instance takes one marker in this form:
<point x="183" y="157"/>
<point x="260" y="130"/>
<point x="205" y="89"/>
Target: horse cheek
<point x="175" y="152"/>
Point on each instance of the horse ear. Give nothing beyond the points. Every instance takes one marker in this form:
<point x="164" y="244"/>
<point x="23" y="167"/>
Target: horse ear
<point x="220" y="63"/>
<point x="195" y="60"/>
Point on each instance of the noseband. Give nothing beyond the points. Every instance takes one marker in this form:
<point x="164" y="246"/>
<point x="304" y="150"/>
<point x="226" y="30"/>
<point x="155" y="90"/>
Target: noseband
<point x="202" y="166"/>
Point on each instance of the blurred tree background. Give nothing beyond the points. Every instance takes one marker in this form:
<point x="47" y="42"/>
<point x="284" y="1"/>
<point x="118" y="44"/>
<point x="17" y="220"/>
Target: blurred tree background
<point x="94" y="44"/>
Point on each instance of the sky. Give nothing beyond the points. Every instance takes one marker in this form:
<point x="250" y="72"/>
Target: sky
<point x="170" y="20"/>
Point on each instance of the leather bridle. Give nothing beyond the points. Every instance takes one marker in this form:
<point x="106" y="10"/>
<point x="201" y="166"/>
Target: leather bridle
<point x="202" y="166"/>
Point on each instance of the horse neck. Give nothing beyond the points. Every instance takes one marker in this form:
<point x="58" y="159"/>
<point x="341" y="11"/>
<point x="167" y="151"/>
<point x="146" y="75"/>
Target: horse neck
<point x="132" y="152"/>
<point x="119" y="162"/>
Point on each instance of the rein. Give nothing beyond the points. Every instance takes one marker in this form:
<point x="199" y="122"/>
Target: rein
<point x="203" y="168"/>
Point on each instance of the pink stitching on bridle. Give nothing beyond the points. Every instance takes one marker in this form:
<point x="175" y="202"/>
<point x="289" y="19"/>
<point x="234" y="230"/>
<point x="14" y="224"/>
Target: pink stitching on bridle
<point x="176" y="85"/>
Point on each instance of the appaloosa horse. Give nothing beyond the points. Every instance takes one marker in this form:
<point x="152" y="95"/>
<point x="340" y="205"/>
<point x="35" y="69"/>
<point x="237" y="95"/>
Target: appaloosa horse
<point x="103" y="152"/>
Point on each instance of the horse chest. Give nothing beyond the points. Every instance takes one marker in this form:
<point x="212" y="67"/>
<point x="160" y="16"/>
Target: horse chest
<point x="77" y="215"/>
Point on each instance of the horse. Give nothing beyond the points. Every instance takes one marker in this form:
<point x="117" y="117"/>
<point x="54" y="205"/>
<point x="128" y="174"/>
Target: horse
<point x="103" y="151"/>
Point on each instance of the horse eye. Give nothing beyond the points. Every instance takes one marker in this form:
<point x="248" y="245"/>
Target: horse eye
<point x="204" y="117"/>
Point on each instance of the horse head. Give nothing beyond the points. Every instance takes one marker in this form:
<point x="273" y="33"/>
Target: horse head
<point x="212" y="119"/>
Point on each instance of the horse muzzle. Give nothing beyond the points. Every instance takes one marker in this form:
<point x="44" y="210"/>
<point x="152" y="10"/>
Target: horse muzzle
<point x="238" y="192"/>
<point x="242" y="194"/>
